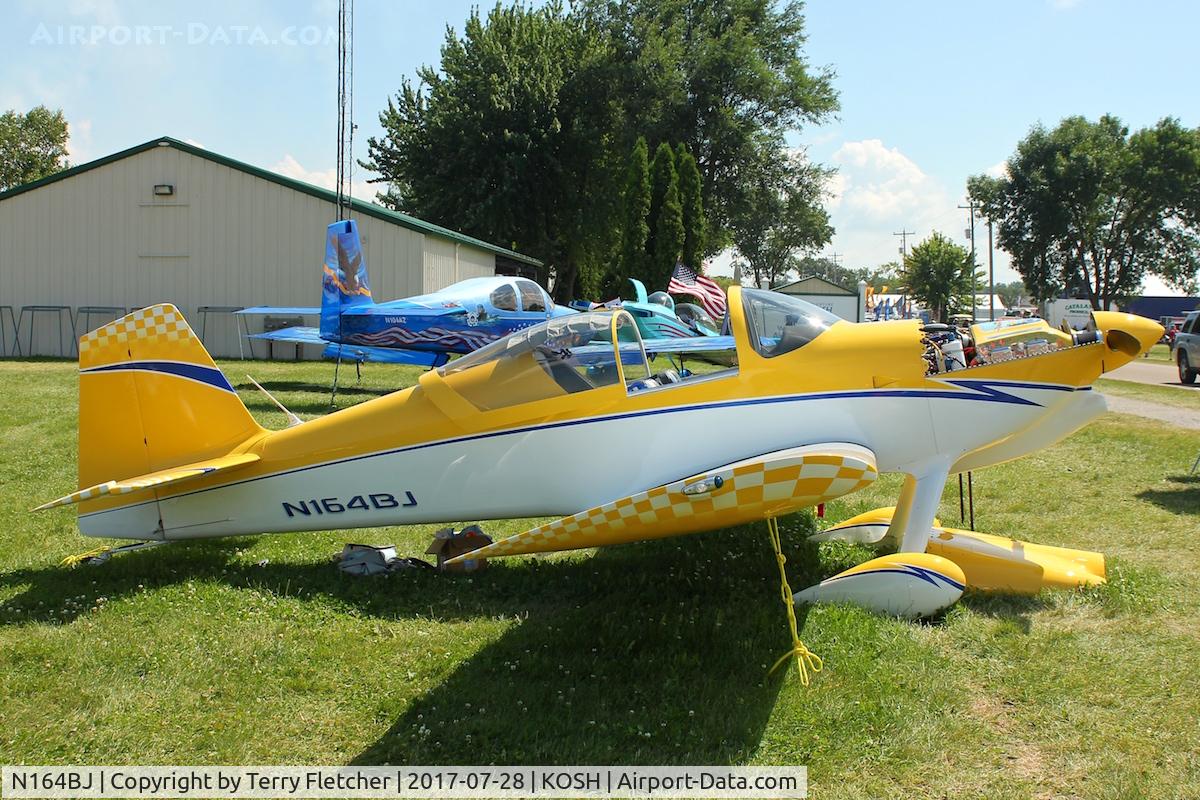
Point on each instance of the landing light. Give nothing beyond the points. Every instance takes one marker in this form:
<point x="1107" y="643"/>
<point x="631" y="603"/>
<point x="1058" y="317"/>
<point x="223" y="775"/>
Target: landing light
<point x="704" y="485"/>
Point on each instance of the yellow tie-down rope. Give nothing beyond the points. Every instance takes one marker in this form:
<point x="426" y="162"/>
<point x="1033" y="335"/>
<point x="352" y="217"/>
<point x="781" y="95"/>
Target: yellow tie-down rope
<point x="76" y="560"/>
<point x="806" y="660"/>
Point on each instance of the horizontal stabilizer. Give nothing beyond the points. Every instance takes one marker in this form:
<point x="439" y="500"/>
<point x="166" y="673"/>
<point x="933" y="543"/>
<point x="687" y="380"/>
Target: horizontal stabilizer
<point x="154" y="480"/>
<point x="281" y="311"/>
<point x="768" y="485"/>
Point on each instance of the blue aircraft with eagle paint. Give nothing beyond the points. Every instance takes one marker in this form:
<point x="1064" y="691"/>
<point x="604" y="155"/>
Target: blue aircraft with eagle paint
<point x="426" y="329"/>
<point x="422" y="330"/>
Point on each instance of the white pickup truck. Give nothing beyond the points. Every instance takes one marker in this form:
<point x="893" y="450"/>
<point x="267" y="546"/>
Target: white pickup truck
<point x="1186" y="349"/>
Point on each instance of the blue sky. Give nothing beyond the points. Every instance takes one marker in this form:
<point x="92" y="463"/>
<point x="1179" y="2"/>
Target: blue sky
<point x="931" y="91"/>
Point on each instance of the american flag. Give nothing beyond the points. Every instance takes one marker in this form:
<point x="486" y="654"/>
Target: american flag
<point x="687" y="281"/>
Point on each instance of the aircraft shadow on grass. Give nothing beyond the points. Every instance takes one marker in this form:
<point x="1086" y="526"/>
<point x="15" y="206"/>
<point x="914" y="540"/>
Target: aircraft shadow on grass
<point x="1016" y="609"/>
<point x="647" y="653"/>
<point x="1182" y="498"/>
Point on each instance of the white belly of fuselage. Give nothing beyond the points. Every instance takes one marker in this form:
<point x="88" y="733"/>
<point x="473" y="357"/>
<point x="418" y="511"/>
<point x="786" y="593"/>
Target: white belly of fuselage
<point x="563" y="468"/>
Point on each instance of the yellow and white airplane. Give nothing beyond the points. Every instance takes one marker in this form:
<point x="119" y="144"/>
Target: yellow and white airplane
<point x="569" y="418"/>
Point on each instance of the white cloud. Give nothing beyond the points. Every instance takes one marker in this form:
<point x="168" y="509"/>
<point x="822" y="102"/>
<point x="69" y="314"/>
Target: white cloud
<point x="326" y="178"/>
<point x="879" y="191"/>
<point x="79" y="141"/>
<point x="881" y="182"/>
<point x="998" y="170"/>
<point x="194" y="143"/>
<point x="103" y="12"/>
<point x="1155" y="286"/>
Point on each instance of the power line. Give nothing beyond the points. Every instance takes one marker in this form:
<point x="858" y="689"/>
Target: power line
<point x="903" y="234"/>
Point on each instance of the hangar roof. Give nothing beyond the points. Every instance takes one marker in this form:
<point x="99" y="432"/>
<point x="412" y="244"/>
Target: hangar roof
<point x="815" y="284"/>
<point x="361" y="206"/>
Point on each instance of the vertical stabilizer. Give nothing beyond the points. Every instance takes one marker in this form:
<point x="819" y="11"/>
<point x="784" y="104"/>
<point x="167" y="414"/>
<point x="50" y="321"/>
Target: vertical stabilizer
<point x="344" y="280"/>
<point x="151" y="398"/>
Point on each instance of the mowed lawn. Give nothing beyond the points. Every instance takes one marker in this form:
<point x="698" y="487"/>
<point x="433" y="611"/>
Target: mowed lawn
<point x="258" y="651"/>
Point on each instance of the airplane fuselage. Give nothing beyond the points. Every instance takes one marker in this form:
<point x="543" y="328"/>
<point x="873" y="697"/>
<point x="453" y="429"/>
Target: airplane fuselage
<point x="407" y="458"/>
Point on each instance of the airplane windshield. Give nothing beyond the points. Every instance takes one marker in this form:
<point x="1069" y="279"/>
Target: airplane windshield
<point x="780" y="323"/>
<point x="697" y="317"/>
<point x="560" y="356"/>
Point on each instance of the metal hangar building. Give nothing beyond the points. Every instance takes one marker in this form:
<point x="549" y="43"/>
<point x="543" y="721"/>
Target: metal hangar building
<point x="167" y="221"/>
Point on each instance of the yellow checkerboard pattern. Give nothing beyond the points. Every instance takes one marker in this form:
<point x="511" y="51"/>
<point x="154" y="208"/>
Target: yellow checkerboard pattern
<point x="751" y="491"/>
<point x="122" y="487"/>
<point x="148" y="329"/>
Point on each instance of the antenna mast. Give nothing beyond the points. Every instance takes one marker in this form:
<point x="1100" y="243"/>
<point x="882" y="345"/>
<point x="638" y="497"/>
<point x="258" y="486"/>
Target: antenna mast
<point x="345" y="144"/>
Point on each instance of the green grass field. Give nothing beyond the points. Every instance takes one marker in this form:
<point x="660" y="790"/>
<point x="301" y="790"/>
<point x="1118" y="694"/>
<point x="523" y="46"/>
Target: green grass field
<point x="1160" y="352"/>
<point x="257" y="651"/>
<point x="1178" y="396"/>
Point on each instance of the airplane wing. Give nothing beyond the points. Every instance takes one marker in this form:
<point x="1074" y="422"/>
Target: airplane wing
<point x="154" y="480"/>
<point x="354" y="352"/>
<point x="299" y="334"/>
<point x="290" y="311"/>
<point x="386" y="355"/>
<point x="767" y="485"/>
<point x="689" y="344"/>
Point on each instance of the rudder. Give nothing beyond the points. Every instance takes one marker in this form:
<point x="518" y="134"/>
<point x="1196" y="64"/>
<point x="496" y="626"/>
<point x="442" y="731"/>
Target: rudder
<point x="151" y="398"/>
<point x="344" y="280"/>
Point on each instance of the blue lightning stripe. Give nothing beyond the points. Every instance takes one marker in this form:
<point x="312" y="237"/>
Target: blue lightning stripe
<point x="210" y="376"/>
<point x="974" y="393"/>
<point x="927" y="575"/>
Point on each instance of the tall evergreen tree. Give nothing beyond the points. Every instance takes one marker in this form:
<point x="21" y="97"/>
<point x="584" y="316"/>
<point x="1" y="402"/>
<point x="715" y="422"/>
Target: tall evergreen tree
<point x="665" y="242"/>
<point x="635" y="228"/>
<point x="690" y="192"/>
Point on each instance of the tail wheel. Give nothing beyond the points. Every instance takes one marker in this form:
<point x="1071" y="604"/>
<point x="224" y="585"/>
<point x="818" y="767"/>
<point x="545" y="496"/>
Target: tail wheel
<point x="1186" y="373"/>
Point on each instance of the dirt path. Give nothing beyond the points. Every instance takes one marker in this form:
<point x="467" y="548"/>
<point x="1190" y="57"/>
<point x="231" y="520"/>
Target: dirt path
<point x="1181" y="417"/>
<point x="1153" y="372"/>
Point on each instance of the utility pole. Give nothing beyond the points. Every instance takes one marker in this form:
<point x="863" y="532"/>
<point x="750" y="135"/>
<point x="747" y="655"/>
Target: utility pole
<point x="991" y="275"/>
<point x="834" y="258"/>
<point x="970" y="209"/>
<point x="903" y="234"/>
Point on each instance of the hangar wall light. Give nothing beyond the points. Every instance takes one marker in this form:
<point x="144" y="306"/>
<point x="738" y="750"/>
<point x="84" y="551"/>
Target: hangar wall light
<point x="164" y="189"/>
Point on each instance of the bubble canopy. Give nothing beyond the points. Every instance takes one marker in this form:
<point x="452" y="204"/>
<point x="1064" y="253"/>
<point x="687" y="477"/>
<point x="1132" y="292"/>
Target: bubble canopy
<point x="561" y="356"/>
<point x="779" y="323"/>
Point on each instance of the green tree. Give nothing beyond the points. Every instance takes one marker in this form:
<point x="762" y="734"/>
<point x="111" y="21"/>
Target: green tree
<point x="1011" y="293"/>
<point x="938" y="274"/>
<point x="831" y="271"/>
<point x="521" y="134"/>
<point x="781" y="217"/>
<point x="635" y="229"/>
<point x="887" y="274"/>
<point x="690" y="197"/>
<point x="512" y="140"/>
<point x="1087" y="206"/>
<point x="728" y="78"/>
<point x="665" y="242"/>
<point x="32" y="145"/>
